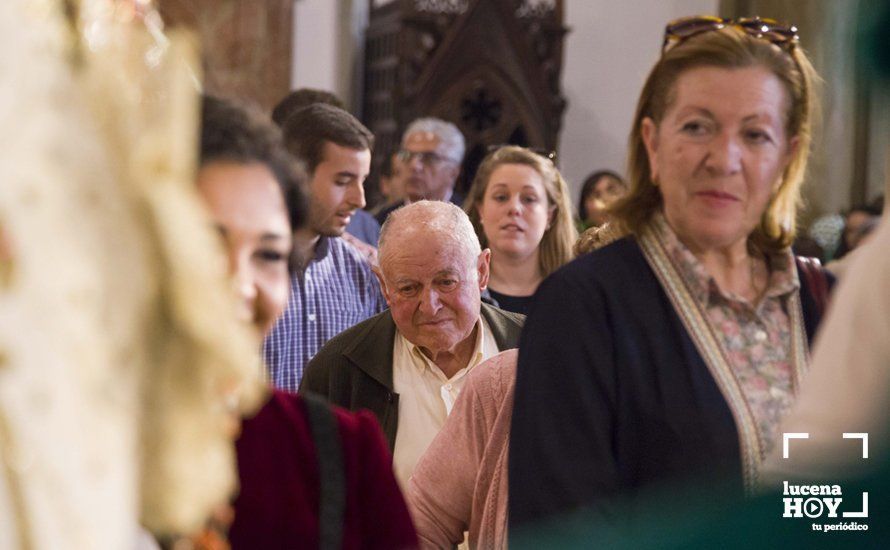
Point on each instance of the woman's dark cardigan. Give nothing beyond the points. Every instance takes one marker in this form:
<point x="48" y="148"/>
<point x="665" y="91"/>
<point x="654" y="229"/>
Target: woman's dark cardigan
<point x="612" y="396"/>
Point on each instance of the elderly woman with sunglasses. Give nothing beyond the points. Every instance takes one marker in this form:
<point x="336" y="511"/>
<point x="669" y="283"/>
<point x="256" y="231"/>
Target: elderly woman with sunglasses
<point x="519" y="205"/>
<point x="672" y="353"/>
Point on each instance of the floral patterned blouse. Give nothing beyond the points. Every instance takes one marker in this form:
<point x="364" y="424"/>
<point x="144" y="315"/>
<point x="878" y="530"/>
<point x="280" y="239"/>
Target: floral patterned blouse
<point x="755" y="337"/>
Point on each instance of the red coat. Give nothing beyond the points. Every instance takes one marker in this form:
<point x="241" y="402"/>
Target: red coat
<point x="278" y="470"/>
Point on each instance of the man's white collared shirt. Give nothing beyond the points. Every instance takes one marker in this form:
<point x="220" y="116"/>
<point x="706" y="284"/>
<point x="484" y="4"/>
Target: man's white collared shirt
<point x="426" y="396"/>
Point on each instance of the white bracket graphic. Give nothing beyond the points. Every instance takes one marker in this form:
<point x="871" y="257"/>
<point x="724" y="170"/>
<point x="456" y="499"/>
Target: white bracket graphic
<point x="864" y="512"/>
<point x="864" y="438"/>
<point x="787" y="436"/>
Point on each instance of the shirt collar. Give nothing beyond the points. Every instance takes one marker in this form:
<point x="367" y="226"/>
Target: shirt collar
<point x="425" y="362"/>
<point x="703" y="286"/>
<point x="322" y="247"/>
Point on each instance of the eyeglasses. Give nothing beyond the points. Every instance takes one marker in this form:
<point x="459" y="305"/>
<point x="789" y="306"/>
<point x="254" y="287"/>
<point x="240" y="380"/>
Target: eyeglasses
<point x="427" y="158"/>
<point x="771" y="30"/>
<point x="549" y="155"/>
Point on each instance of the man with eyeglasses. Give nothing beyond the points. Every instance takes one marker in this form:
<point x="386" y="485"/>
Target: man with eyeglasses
<point x="431" y="154"/>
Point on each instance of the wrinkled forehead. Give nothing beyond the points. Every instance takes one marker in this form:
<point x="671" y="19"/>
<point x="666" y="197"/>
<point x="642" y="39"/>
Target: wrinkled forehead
<point x="687" y="84"/>
<point x="424" y="255"/>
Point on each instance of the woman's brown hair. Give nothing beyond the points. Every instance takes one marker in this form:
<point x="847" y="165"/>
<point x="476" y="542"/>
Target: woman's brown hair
<point x="728" y="48"/>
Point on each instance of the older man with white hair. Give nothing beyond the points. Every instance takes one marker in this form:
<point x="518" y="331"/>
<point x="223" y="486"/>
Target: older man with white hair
<point x="407" y="364"/>
<point x="431" y="154"/>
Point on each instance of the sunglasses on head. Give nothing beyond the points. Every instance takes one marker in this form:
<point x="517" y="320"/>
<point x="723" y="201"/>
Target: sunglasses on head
<point x="770" y="30"/>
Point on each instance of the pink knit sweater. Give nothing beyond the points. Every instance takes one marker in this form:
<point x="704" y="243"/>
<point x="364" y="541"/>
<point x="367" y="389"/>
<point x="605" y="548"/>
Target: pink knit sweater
<point x="460" y="483"/>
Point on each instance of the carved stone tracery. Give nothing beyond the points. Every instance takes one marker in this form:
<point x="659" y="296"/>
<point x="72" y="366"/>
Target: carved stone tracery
<point x="490" y="66"/>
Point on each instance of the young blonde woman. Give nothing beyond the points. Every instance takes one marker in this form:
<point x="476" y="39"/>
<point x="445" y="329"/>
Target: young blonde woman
<point x="519" y="205"/>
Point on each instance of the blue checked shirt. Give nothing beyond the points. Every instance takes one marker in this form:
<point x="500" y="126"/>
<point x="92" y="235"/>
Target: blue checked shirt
<point x="336" y="291"/>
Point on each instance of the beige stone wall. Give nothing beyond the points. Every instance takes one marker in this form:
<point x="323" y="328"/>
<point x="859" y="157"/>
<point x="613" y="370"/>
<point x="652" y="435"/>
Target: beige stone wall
<point x="608" y="53"/>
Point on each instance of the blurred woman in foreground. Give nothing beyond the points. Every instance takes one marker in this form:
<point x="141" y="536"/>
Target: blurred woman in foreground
<point x="311" y="475"/>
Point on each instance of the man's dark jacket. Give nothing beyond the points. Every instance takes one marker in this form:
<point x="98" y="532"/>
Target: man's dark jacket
<point x="354" y="369"/>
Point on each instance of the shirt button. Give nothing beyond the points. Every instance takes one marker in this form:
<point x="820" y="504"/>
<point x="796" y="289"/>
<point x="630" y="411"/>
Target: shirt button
<point x="448" y="387"/>
<point x="311" y="317"/>
<point x="760" y="336"/>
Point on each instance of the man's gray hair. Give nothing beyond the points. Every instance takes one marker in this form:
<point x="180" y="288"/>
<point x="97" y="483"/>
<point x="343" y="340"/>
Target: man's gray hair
<point x="451" y="139"/>
<point x="444" y="219"/>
